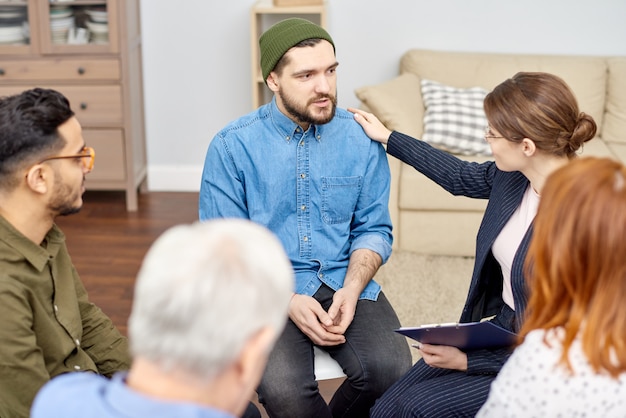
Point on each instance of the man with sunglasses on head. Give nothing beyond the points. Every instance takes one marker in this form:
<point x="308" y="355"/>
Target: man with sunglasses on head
<point x="48" y="325"/>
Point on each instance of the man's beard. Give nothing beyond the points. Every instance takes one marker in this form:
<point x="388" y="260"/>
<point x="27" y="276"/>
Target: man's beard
<point x="302" y="114"/>
<point x="63" y="202"/>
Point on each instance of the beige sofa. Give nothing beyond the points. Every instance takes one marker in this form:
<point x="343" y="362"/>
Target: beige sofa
<point x="426" y="218"/>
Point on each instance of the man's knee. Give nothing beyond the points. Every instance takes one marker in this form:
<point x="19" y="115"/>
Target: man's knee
<point x="385" y="373"/>
<point x="286" y="388"/>
<point x="387" y="367"/>
<point x="292" y="398"/>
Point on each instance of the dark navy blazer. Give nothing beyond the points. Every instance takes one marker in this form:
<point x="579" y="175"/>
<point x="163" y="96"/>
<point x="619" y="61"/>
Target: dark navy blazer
<point x="505" y="191"/>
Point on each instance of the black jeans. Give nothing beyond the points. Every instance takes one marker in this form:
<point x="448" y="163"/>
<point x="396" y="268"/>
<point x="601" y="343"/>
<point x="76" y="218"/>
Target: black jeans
<point x="251" y="411"/>
<point x="373" y="358"/>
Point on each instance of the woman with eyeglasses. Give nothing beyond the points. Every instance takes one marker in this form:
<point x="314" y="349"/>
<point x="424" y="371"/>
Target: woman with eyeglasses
<point x="535" y="127"/>
<point x="572" y="361"/>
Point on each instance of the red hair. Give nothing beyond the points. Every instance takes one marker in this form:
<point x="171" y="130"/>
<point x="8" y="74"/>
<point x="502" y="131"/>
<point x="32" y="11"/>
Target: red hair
<point x="576" y="264"/>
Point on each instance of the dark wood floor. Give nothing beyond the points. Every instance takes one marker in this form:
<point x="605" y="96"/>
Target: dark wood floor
<point x="107" y="245"/>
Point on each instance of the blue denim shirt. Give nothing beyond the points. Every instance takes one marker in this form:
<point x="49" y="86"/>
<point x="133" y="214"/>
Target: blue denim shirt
<point x="323" y="192"/>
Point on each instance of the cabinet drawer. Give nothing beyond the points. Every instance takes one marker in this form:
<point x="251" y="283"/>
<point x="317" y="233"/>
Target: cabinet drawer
<point x="109" y="147"/>
<point x="95" y="106"/>
<point x="60" y="70"/>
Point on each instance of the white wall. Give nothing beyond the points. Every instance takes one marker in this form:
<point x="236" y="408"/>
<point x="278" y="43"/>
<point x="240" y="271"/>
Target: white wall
<point x="197" y="64"/>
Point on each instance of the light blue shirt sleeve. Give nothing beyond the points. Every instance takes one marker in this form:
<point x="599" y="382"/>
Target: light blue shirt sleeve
<point x="371" y="227"/>
<point x="222" y="194"/>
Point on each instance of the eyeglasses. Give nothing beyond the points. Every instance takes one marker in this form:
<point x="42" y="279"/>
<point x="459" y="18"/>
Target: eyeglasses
<point x="87" y="157"/>
<point x="490" y="135"/>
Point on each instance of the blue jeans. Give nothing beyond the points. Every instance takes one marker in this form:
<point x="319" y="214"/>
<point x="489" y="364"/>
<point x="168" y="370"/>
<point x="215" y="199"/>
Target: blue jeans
<point x="373" y="358"/>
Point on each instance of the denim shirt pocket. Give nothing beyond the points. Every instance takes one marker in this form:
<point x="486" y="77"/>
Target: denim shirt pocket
<point x="339" y="198"/>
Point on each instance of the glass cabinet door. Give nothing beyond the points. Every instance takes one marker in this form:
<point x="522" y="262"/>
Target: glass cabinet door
<point x="78" y="26"/>
<point x="14" y="27"/>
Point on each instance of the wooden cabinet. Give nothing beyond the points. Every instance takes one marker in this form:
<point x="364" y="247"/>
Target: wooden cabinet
<point x="262" y="15"/>
<point x="90" y="50"/>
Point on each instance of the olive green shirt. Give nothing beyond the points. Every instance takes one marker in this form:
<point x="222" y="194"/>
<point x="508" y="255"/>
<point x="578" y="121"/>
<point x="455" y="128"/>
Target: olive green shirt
<point x="47" y="324"/>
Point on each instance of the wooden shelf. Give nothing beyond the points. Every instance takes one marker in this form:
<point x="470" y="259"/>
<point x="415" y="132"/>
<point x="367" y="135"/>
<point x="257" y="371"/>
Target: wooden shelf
<point x="267" y="6"/>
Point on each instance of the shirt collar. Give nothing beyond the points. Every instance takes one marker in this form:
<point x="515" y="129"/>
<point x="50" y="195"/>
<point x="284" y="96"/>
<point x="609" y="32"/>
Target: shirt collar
<point x="287" y="128"/>
<point x="37" y="255"/>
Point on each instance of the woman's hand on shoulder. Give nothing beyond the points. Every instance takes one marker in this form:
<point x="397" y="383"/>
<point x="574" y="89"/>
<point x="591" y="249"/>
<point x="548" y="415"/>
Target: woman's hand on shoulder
<point x="373" y="127"/>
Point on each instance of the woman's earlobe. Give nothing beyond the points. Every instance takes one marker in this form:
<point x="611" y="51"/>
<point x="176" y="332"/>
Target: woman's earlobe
<point x="528" y="147"/>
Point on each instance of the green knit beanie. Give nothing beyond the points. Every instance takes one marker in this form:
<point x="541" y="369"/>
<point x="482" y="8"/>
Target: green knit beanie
<point x="282" y="36"/>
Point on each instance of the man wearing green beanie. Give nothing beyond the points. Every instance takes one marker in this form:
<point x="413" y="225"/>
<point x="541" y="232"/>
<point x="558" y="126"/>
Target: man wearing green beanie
<point x="304" y="168"/>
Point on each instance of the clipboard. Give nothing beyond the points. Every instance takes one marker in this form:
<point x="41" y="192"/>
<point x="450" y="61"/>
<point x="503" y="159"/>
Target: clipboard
<point x="464" y="336"/>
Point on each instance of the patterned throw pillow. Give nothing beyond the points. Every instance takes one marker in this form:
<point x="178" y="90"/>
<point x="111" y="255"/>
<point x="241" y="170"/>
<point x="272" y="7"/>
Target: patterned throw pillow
<point x="454" y="118"/>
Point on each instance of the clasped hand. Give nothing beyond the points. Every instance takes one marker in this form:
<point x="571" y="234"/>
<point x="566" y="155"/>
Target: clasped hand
<point x="324" y="328"/>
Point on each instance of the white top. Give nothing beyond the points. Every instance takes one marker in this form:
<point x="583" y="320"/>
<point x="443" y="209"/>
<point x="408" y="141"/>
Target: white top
<point x="533" y="383"/>
<point x="506" y="244"/>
